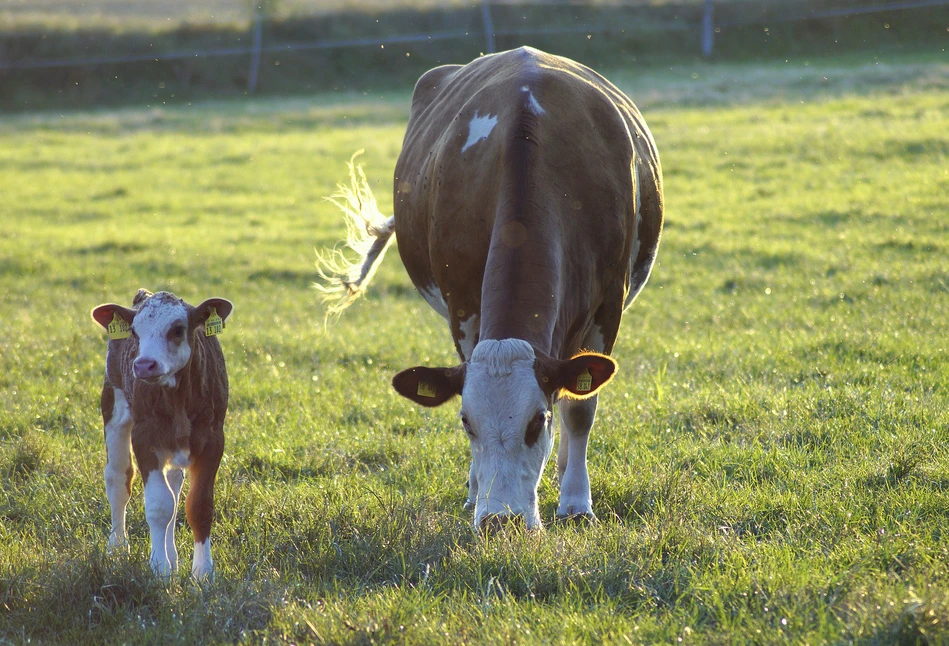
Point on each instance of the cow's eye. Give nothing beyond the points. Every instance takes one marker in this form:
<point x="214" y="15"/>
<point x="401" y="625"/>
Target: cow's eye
<point x="535" y="427"/>
<point x="467" y="425"/>
<point x="177" y="333"/>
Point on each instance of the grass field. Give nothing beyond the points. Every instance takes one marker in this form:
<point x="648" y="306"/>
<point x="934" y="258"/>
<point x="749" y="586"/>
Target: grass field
<point x="769" y="466"/>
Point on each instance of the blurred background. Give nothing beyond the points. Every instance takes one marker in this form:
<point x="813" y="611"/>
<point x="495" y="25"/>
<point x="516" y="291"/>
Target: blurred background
<point x="110" y="52"/>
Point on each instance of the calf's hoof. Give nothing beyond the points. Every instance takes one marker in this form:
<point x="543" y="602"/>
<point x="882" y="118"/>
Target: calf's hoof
<point x="583" y="518"/>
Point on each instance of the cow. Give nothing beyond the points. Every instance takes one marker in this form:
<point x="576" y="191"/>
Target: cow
<point x="528" y="210"/>
<point x="165" y="398"/>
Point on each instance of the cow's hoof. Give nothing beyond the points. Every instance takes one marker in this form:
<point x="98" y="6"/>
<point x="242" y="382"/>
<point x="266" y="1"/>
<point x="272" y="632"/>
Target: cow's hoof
<point x="469" y="504"/>
<point x="585" y="518"/>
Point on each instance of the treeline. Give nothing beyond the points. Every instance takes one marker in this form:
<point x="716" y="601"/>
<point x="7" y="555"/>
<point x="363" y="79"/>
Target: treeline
<point x="601" y="36"/>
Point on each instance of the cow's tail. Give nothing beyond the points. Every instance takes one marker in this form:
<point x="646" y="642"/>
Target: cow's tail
<point x="368" y="234"/>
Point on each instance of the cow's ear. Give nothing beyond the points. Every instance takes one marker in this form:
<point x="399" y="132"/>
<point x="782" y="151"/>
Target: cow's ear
<point x="578" y="378"/>
<point x="430" y="386"/>
<point x="222" y="306"/>
<point x="105" y="314"/>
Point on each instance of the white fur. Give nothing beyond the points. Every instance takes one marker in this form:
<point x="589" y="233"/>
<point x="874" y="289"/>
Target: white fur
<point x="203" y="565"/>
<point x="434" y="298"/>
<point x="152" y="324"/>
<point x="118" y="441"/>
<point x="532" y="103"/>
<point x="175" y="478"/>
<point x="501" y="395"/>
<point x="634" y="252"/>
<point x="160" y="511"/>
<point x="479" y="128"/>
<point x="469" y="332"/>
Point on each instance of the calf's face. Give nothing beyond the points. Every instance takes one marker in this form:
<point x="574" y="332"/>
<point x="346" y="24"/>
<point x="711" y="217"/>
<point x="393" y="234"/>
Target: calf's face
<point x="507" y="393"/>
<point x="164" y="328"/>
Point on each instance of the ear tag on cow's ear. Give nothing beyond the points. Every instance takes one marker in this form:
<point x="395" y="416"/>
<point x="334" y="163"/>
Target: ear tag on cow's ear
<point x="585" y="382"/>
<point x="426" y="389"/>
<point x="214" y="324"/>
<point x="118" y="328"/>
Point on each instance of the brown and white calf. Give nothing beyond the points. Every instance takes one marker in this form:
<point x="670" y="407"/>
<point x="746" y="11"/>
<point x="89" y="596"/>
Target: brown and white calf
<point x="528" y="209"/>
<point x="164" y="397"/>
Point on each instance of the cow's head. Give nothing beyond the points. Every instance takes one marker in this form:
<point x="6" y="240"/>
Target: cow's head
<point x="164" y="327"/>
<point x="507" y="395"/>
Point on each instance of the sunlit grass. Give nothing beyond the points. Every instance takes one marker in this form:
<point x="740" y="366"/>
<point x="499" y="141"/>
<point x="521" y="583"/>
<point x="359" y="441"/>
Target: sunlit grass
<point x="769" y="465"/>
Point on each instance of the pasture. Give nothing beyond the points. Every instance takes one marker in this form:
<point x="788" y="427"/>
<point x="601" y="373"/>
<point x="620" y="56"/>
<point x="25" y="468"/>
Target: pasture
<point x="769" y="466"/>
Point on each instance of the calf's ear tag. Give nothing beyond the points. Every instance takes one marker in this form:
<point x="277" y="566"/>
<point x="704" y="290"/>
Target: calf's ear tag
<point x="118" y="328"/>
<point x="426" y="389"/>
<point x="214" y="324"/>
<point x="584" y="382"/>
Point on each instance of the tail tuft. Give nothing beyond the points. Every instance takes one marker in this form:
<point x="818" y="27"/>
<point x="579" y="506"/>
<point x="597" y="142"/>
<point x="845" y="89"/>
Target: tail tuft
<point x="368" y="234"/>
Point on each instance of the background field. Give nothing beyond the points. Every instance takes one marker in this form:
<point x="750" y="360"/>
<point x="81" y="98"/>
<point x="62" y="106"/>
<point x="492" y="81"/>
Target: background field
<point x="769" y="466"/>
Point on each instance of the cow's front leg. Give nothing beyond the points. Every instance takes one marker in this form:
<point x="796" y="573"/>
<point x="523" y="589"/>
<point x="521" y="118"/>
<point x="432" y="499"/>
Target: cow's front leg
<point x="118" y="468"/>
<point x="175" y="479"/>
<point x="160" y="511"/>
<point x="576" y="420"/>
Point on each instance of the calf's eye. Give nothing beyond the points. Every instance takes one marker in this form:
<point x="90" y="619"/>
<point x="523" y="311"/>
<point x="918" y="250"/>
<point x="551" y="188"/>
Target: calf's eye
<point x="177" y="333"/>
<point x="535" y="426"/>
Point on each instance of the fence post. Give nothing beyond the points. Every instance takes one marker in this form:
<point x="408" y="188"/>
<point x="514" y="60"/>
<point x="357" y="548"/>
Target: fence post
<point x="257" y="36"/>
<point x="488" y="27"/>
<point x="708" y="29"/>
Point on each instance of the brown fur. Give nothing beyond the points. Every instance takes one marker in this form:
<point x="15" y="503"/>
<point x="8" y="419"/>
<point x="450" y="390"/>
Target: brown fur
<point x="187" y="416"/>
<point x="533" y="227"/>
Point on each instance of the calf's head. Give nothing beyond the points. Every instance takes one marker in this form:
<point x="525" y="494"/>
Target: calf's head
<point x="165" y="329"/>
<point x="507" y="395"/>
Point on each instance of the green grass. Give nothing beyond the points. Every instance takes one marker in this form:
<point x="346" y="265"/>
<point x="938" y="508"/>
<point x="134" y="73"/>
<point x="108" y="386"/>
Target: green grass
<point x="769" y="466"/>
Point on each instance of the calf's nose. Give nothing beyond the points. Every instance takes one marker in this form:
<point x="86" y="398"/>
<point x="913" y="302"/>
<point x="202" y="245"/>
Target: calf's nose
<point x="145" y="367"/>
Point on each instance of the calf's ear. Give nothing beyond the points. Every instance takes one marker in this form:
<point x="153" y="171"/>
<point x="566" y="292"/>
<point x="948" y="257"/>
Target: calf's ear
<point x="430" y="386"/>
<point x="105" y="314"/>
<point x="222" y="306"/>
<point x="578" y="378"/>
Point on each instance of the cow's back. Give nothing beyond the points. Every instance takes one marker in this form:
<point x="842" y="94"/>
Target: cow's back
<point x="529" y="137"/>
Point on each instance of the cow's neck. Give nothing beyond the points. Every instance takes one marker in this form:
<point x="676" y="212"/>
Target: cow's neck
<point x="520" y="295"/>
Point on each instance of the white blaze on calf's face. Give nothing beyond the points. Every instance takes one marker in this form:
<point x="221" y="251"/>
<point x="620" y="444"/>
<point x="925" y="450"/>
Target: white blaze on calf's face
<point x="506" y="416"/>
<point x="163" y="349"/>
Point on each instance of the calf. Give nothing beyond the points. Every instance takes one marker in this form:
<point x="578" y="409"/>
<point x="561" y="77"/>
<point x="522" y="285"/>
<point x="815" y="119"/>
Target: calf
<point x="164" y="397"/>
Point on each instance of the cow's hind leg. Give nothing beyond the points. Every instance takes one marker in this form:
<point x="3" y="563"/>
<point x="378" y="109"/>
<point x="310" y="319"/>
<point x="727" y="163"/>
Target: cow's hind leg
<point x="200" y="506"/>
<point x="160" y="512"/>
<point x="118" y="468"/>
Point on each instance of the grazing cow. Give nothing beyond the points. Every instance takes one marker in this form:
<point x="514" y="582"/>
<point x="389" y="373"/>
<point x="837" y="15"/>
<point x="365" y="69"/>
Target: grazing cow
<point x="165" y="397"/>
<point x="528" y="209"/>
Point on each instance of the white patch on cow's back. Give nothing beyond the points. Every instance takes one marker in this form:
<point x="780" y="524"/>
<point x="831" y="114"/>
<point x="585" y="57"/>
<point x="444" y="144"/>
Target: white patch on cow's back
<point x="532" y="103"/>
<point x="433" y="296"/>
<point x="479" y="128"/>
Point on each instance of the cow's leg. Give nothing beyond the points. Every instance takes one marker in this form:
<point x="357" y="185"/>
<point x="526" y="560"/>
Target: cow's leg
<point x="576" y="420"/>
<point x="175" y="479"/>
<point x="160" y="514"/>
<point x="199" y="505"/>
<point x="118" y="468"/>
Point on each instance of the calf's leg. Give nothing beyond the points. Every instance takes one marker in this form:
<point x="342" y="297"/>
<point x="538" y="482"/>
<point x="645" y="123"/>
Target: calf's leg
<point x="576" y="420"/>
<point x="117" y="420"/>
<point x="199" y="506"/>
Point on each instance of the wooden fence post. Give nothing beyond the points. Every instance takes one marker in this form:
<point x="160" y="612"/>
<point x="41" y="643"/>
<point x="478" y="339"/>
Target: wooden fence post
<point x="488" y="27"/>
<point x="256" y="37"/>
<point x="708" y="30"/>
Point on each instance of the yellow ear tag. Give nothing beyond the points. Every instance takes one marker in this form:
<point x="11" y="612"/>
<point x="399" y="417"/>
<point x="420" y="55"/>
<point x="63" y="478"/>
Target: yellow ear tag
<point x="426" y="389"/>
<point x="584" y="382"/>
<point x="214" y="324"/>
<point x="118" y="328"/>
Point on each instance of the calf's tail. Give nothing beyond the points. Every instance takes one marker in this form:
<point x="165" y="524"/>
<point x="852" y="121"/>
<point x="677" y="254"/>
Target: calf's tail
<point x="368" y="233"/>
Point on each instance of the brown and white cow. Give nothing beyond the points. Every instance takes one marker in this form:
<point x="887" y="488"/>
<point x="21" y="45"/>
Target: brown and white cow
<point x="165" y="397"/>
<point x="528" y="209"/>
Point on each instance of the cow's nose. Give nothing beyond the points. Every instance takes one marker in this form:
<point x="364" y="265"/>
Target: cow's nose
<point x="494" y="523"/>
<point x="145" y="367"/>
